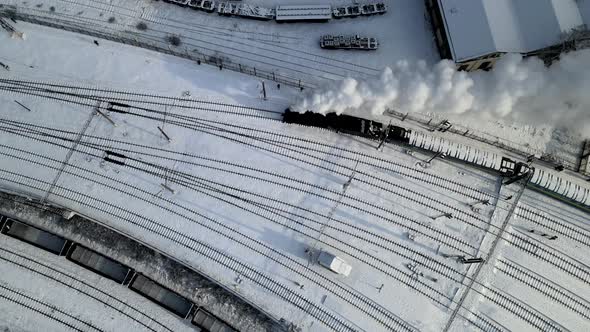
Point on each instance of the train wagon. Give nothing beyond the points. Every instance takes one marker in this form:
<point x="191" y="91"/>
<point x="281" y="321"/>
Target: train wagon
<point x="309" y="13"/>
<point x="161" y="295"/>
<point x="98" y="263"/>
<point x="347" y="11"/>
<point x="206" y="5"/>
<point x="209" y="323"/>
<point x="35" y="236"/>
<point x="354" y="42"/>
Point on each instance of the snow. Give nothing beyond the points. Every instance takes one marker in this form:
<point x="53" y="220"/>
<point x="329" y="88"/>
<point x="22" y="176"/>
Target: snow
<point x="480" y="27"/>
<point x="280" y="195"/>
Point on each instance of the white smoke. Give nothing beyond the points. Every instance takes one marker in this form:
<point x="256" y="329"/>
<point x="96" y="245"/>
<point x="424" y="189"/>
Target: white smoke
<point x="517" y="89"/>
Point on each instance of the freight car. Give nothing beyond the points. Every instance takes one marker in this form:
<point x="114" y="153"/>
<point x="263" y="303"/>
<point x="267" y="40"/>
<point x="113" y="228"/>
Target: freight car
<point x="99" y="264"/>
<point x="208" y="322"/>
<point x="282" y="13"/>
<point x="35" y="236"/>
<point x="355" y="42"/>
<point x="161" y="295"/>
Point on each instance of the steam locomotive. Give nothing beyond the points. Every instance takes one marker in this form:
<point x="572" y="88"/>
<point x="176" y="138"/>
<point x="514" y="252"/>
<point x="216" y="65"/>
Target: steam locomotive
<point x="349" y="125"/>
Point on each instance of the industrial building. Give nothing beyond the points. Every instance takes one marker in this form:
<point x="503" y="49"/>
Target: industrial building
<point x="476" y="33"/>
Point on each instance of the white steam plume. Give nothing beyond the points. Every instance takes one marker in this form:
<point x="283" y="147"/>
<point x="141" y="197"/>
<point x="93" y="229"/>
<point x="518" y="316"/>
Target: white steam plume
<point x="516" y="89"/>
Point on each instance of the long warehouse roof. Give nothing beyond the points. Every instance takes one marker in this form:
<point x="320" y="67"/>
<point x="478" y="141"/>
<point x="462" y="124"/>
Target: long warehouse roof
<point x="479" y="27"/>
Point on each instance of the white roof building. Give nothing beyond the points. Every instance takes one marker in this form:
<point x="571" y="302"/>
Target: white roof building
<point x="476" y="28"/>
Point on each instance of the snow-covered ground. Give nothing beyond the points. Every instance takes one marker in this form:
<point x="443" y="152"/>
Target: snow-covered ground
<point x="254" y="200"/>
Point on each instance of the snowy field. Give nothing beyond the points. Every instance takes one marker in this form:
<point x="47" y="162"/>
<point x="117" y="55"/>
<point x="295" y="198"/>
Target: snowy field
<point x="240" y="197"/>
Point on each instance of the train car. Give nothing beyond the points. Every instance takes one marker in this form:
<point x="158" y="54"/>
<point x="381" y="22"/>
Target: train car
<point x="227" y="8"/>
<point x="303" y="13"/>
<point x="161" y="295"/>
<point x="100" y="264"/>
<point x="354" y="42"/>
<point x="373" y="8"/>
<point x="256" y="12"/>
<point x="347" y="11"/>
<point x="561" y="186"/>
<point x="35" y="236"/>
<point x="209" y="323"/>
<point x="206" y="5"/>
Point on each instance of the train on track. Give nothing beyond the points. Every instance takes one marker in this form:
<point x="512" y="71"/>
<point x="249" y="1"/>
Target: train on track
<point x="114" y="270"/>
<point x="544" y="180"/>
<point x="354" y="42"/>
<point x="291" y="13"/>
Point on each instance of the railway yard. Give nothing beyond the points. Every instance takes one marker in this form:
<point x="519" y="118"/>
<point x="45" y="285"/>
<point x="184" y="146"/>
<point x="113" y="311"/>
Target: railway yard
<point x="149" y="182"/>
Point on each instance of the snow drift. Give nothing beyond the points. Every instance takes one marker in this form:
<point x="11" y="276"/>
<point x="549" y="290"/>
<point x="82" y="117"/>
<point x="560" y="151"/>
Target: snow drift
<point x="516" y="89"/>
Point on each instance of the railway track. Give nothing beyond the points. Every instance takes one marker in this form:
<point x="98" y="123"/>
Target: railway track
<point x="554" y="257"/>
<point x="188" y="242"/>
<point x="356" y="300"/>
<point x="89" y="96"/>
<point x="21" y="298"/>
<point x="534" y="321"/>
<point x="530" y="315"/>
<point x="521" y="306"/>
<point x="401" y="220"/>
<point x="277" y="50"/>
<point x="546" y="287"/>
<point x="33" y="88"/>
<point x="520" y="312"/>
<point x="439" y="209"/>
<point x="278" y="66"/>
<point x="486" y="324"/>
<point x="113" y="303"/>
<point x="567" y="230"/>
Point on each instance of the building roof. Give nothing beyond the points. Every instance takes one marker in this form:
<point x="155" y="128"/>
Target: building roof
<point x="478" y="27"/>
<point x="584" y="6"/>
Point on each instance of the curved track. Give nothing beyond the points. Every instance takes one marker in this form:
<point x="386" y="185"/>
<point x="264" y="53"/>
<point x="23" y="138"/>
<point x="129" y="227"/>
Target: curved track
<point x="120" y="306"/>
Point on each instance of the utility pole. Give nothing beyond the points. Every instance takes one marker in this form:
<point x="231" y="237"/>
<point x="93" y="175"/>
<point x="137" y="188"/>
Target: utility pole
<point x="263" y="91"/>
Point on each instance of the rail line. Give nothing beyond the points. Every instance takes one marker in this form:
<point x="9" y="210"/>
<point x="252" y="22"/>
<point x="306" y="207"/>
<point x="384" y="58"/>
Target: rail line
<point x="358" y="301"/>
<point x="22" y="299"/>
<point x="34" y="266"/>
<point x="530" y="315"/>
<point x="522" y="308"/>
<point x="190" y="181"/>
<point x="346" y="154"/>
<point x="570" y="231"/>
<point x="265" y="57"/>
<point x="161" y="45"/>
<point x="293" y="52"/>
<point x="188" y="242"/>
<point x="529" y="318"/>
<point x="445" y="237"/>
<point x="546" y="287"/>
<point x="486" y="324"/>
<point x="554" y="257"/>
<point x="308" y="162"/>
<point x="78" y="96"/>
